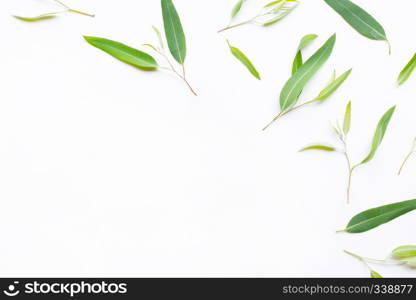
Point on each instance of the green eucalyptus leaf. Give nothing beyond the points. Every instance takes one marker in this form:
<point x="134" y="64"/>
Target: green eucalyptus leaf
<point x="37" y="18"/>
<point x="407" y="71"/>
<point x="379" y="134"/>
<point x="298" y="61"/>
<point x="294" y="86"/>
<point x="359" y="19"/>
<point x="273" y="3"/>
<point x="374" y="274"/>
<point x="236" y="8"/>
<point x="318" y="147"/>
<point x="124" y="53"/>
<point x="347" y="119"/>
<point x="375" y="217"/>
<point x="244" y="60"/>
<point x="174" y="31"/>
<point x="404" y="251"/>
<point x="333" y="86"/>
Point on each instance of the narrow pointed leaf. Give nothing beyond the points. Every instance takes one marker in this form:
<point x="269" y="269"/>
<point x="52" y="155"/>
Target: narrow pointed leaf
<point x="124" y="53"/>
<point x="245" y="61"/>
<point x="159" y="36"/>
<point x="305" y="41"/>
<point x="174" y="31"/>
<point x="404" y="251"/>
<point x="374" y="274"/>
<point x="407" y="71"/>
<point x="36" y="18"/>
<point x="298" y="81"/>
<point x="379" y="134"/>
<point x="236" y="8"/>
<point x="318" y="147"/>
<point x="375" y="217"/>
<point x="347" y="119"/>
<point x="359" y="19"/>
<point x="333" y="86"/>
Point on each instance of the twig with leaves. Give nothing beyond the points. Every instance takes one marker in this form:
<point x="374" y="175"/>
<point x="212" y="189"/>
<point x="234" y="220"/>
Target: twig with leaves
<point x="49" y="15"/>
<point x="342" y="134"/>
<point x="302" y="73"/>
<point x="269" y="14"/>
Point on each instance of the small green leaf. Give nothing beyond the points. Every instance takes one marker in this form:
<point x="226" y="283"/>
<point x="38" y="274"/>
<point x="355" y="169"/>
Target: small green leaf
<point x="244" y="60"/>
<point x="305" y="41"/>
<point x="37" y="18"/>
<point x="236" y="8"/>
<point x="379" y="134"/>
<point x="404" y="251"/>
<point x="318" y="147"/>
<point x="407" y="71"/>
<point x="375" y="217"/>
<point x="347" y="119"/>
<point x="359" y="19"/>
<point x="124" y="53"/>
<point x="374" y="274"/>
<point x="159" y="36"/>
<point x="273" y="3"/>
<point x="333" y="86"/>
<point x="174" y="31"/>
<point x="294" y="86"/>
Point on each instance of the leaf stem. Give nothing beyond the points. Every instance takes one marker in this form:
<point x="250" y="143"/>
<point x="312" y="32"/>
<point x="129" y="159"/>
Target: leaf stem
<point x="236" y="25"/>
<point x="372" y="260"/>
<point x="282" y="113"/>
<point x="412" y="151"/>
<point x="73" y="10"/>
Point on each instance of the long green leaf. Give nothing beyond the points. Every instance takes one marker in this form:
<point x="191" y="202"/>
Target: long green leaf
<point x="124" y="53"/>
<point x="174" y="31"/>
<point x="37" y="18"/>
<point x="236" y="8"/>
<point x="407" y="71"/>
<point x="298" y="61"/>
<point x="404" y="251"/>
<point x="347" y="119"/>
<point x="375" y="217"/>
<point x="359" y="19"/>
<point x="379" y="134"/>
<point x="333" y="86"/>
<point x="318" y="147"/>
<point x="244" y="60"/>
<point x="297" y="82"/>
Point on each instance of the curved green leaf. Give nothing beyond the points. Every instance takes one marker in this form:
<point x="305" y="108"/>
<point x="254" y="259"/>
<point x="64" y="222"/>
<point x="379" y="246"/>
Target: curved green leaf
<point x="333" y="86"/>
<point x="298" y="61"/>
<point x="407" y="71"/>
<point x="375" y="217"/>
<point x="37" y="18"/>
<point x="244" y="60"/>
<point x="297" y="82"/>
<point x="236" y="8"/>
<point x="379" y="134"/>
<point x="404" y="251"/>
<point x="318" y="147"/>
<point x="124" y="53"/>
<point x="174" y="31"/>
<point x="359" y="19"/>
<point x="347" y="119"/>
<point x="280" y="13"/>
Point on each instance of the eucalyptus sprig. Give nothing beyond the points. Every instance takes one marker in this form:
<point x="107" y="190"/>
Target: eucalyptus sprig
<point x="412" y="151"/>
<point x="302" y="73"/>
<point x="402" y="256"/>
<point x="50" y="15"/>
<point x="342" y="133"/>
<point x="269" y="14"/>
<point x="175" y="38"/>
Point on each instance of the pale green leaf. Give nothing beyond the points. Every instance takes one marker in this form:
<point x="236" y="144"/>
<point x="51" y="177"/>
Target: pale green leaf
<point x="333" y="86"/>
<point x="318" y="147"/>
<point x="347" y="119"/>
<point x="244" y="60"/>
<point x="37" y="18"/>
<point x="236" y="8"/>
<point x="407" y="71"/>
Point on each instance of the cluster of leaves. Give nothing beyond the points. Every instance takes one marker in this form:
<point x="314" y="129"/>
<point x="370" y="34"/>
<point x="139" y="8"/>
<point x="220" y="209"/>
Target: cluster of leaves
<point x="269" y="14"/>
<point x="359" y="19"/>
<point x="302" y="73"/>
<point x="342" y="133"/>
<point x="402" y="255"/>
<point x="176" y="41"/>
<point x="50" y="15"/>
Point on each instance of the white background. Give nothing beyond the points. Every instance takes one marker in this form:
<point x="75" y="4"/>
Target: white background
<point x="107" y="170"/>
